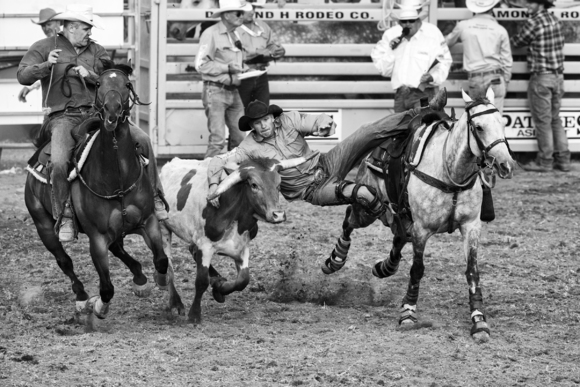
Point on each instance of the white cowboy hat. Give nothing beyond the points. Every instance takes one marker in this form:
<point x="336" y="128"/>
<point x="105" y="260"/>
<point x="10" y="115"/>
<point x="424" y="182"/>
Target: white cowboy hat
<point x="231" y="5"/>
<point x="480" y="6"/>
<point x="409" y="9"/>
<point x="45" y="15"/>
<point x="80" y="12"/>
<point x="258" y="3"/>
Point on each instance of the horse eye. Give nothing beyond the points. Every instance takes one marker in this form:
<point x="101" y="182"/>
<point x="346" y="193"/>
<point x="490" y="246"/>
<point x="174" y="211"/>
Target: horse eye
<point x="479" y="128"/>
<point x="254" y="186"/>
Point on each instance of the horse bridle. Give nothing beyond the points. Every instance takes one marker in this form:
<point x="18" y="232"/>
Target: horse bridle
<point x="485" y="163"/>
<point x="484" y="149"/>
<point x="131" y="98"/>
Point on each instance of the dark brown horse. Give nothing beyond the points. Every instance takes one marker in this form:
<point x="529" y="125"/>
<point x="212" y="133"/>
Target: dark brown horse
<point x="112" y="196"/>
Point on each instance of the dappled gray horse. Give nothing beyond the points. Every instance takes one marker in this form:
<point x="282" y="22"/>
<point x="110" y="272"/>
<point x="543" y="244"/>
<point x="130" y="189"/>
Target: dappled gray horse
<point x="444" y="188"/>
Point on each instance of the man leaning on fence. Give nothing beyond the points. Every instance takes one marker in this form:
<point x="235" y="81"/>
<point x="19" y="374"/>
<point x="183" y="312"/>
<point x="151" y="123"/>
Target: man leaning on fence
<point x="219" y="60"/>
<point x="542" y="34"/>
<point x="487" y="56"/>
<point x="414" y="54"/>
<point x="67" y="66"/>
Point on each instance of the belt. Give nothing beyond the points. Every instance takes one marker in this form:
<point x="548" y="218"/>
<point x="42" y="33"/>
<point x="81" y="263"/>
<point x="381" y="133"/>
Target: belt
<point x="483" y="73"/>
<point x="559" y="71"/>
<point x="220" y="85"/>
<point x="71" y="110"/>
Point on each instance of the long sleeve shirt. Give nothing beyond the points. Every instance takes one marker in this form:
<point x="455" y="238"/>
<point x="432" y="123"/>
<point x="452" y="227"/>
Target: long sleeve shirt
<point x="35" y="66"/>
<point x="412" y="58"/>
<point x="257" y="39"/>
<point x="217" y="50"/>
<point x="486" y="45"/>
<point x="542" y="33"/>
<point x="287" y="143"/>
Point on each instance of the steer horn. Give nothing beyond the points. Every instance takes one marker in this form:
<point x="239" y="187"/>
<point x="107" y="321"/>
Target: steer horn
<point x="285" y="164"/>
<point x="232" y="179"/>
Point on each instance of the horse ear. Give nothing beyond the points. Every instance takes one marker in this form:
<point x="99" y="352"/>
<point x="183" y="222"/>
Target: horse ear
<point x="453" y="113"/>
<point x="130" y="63"/>
<point x="490" y="95"/>
<point x="466" y="98"/>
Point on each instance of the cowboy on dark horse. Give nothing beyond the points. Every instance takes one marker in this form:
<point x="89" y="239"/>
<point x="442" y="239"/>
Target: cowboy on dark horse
<point x="276" y="134"/>
<point x="68" y="66"/>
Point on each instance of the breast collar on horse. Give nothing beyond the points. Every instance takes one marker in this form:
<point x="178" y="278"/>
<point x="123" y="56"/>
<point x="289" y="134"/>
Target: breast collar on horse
<point x="483" y="164"/>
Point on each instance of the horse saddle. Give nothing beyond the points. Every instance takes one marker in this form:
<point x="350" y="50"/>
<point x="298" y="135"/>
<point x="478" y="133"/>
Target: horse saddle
<point x="39" y="165"/>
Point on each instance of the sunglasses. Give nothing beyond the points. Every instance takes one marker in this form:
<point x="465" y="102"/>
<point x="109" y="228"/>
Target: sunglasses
<point x="238" y="13"/>
<point x="412" y="21"/>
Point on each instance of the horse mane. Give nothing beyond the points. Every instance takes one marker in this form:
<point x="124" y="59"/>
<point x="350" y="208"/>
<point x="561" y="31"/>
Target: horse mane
<point x="477" y="101"/>
<point x="108" y="64"/>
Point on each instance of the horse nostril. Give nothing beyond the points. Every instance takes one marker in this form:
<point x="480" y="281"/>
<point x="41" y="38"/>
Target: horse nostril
<point x="279" y="216"/>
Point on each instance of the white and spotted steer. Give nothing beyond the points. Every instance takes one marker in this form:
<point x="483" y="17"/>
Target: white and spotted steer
<point x="250" y="193"/>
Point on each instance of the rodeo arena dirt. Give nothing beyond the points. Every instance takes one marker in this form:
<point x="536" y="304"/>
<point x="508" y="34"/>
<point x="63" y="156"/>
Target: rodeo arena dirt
<point x="499" y="301"/>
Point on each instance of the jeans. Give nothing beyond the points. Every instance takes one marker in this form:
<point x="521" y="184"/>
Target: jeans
<point x="222" y="107"/>
<point x="340" y="159"/>
<point x="545" y="93"/>
<point x="409" y="98"/>
<point x="255" y="89"/>
<point x="479" y="84"/>
<point x="62" y="147"/>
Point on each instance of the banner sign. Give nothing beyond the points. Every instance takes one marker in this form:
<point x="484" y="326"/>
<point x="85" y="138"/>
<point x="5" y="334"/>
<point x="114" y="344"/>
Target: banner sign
<point x="360" y="14"/>
<point x="519" y="125"/>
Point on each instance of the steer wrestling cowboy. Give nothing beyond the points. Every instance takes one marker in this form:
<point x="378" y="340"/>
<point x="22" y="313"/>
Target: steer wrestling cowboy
<point x="68" y="65"/>
<point x="276" y="134"/>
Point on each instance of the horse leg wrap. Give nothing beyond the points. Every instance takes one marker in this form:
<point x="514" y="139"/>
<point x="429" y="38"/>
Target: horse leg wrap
<point x="479" y="323"/>
<point x="408" y="313"/>
<point x="386" y="268"/>
<point x="337" y="258"/>
<point x="375" y="207"/>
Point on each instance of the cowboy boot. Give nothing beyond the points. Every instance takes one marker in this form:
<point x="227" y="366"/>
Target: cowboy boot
<point x="439" y="101"/>
<point x="66" y="231"/>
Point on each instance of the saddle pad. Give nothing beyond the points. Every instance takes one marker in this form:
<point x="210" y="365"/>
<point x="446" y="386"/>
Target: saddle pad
<point x="415" y="152"/>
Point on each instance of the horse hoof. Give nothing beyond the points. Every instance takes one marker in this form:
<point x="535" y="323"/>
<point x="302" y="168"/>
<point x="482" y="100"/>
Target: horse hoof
<point x="480" y="337"/>
<point x="331" y="265"/>
<point x="194" y="320"/>
<point x="142" y="290"/>
<point x="218" y="296"/>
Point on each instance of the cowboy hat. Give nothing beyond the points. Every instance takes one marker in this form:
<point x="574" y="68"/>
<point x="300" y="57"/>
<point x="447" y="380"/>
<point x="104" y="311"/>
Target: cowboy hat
<point x="82" y="13"/>
<point x="258" y="3"/>
<point x="480" y="6"/>
<point x="45" y="15"/>
<point x="231" y="5"/>
<point x="409" y="9"/>
<point x="256" y="110"/>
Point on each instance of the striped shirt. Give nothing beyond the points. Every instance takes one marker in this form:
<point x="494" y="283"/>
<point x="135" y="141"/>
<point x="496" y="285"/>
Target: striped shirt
<point x="542" y="33"/>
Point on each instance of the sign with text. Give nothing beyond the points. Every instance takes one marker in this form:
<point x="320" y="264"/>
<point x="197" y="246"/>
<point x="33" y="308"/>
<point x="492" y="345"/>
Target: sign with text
<point x="519" y="124"/>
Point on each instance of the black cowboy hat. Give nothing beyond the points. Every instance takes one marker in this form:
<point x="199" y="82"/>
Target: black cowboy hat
<point x="256" y="110"/>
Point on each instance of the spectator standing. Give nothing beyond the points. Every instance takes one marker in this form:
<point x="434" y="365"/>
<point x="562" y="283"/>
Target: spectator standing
<point x="67" y="66"/>
<point x="542" y="34"/>
<point x="414" y="54"/>
<point x="487" y="56"/>
<point x="50" y="28"/>
<point x="261" y="47"/>
<point x="219" y="61"/>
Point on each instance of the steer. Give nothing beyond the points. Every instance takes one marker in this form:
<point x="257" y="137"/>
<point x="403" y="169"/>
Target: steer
<point x="250" y="193"/>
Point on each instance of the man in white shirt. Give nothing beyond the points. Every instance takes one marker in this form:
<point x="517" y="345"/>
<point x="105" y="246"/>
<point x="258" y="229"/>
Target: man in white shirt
<point x="414" y="54"/>
<point x="487" y="56"/>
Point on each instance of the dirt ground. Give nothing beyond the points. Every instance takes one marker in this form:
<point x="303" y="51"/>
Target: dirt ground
<point x="293" y="325"/>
